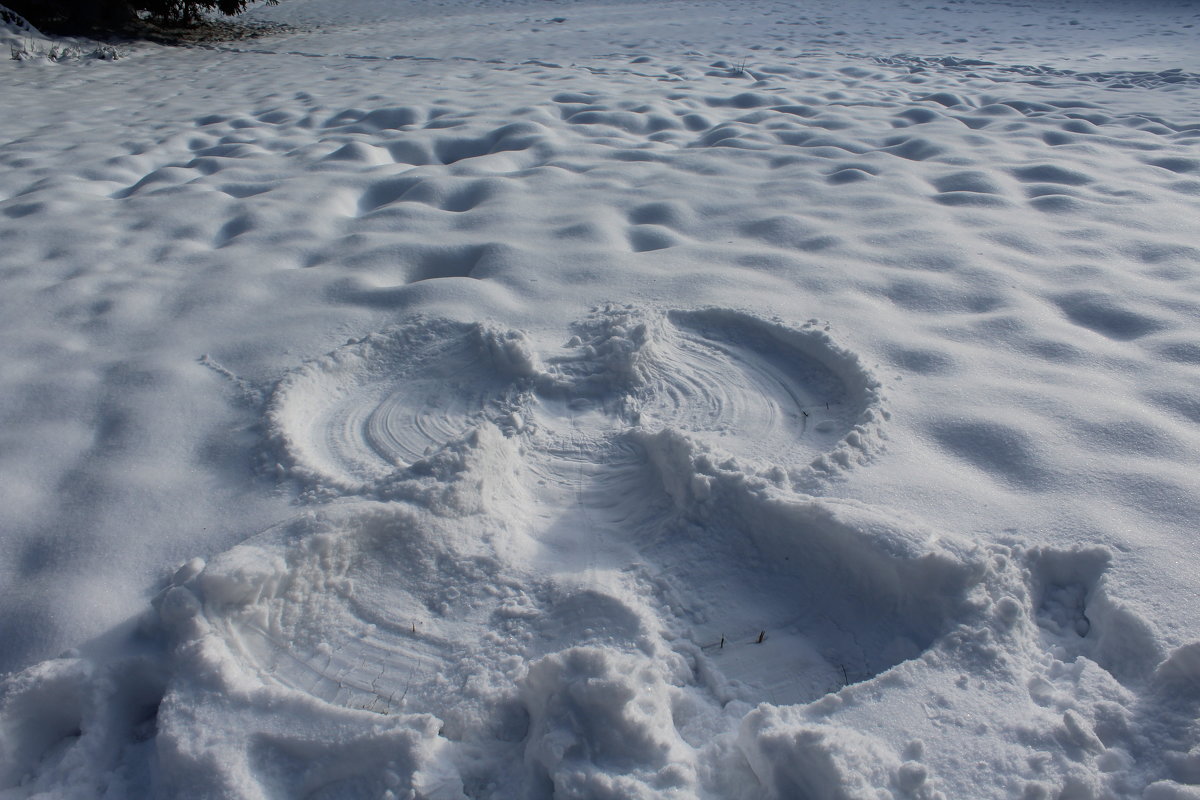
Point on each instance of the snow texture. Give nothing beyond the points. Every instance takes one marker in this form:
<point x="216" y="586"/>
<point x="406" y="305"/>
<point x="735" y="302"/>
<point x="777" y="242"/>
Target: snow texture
<point x="604" y="399"/>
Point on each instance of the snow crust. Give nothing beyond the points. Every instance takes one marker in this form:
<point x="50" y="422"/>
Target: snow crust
<point x="604" y="399"/>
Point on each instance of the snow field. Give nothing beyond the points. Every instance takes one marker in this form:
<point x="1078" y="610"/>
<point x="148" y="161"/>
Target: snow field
<point x="791" y="402"/>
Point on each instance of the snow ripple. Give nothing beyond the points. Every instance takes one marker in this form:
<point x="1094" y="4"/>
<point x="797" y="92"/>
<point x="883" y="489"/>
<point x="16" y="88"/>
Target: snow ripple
<point x="759" y="390"/>
<point x="358" y="418"/>
<point x="353" y="418"/>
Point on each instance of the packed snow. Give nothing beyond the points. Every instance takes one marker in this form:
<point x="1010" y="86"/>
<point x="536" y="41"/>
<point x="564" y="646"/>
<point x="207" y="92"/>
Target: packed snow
<point x="604" y="399"/>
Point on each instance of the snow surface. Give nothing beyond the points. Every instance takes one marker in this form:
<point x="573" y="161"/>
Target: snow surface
<point x="599" y="399"/>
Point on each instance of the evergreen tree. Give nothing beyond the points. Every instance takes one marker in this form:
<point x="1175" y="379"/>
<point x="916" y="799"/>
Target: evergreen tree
<point x="83" y="14"/>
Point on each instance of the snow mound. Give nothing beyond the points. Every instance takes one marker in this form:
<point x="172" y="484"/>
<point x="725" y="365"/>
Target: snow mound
<point x="26" y="43"/>
<point x="794" y="758"/>
<point x="13" y="21"/>
<point x="17" y="35"/>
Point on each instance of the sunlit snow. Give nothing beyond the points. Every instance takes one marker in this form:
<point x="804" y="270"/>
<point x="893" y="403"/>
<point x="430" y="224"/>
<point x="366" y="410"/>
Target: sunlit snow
<point x="604" y="399"/>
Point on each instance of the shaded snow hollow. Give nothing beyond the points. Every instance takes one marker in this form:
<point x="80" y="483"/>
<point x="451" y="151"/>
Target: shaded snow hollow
<point x="496" y="399"/>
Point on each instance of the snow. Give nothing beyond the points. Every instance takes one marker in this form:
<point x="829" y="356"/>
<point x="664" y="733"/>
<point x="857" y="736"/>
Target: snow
<point x="601" y="399"/>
